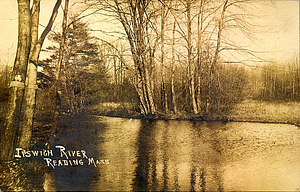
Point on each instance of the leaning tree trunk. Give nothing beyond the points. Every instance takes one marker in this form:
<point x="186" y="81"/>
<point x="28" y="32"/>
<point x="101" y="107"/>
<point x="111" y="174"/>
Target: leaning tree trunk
<point x="215" y="59"/>
<point x="31" y="83"/>
<point x="136" y="31"/>
<point x="12" y="121"/>
<point x="31" y="86"/>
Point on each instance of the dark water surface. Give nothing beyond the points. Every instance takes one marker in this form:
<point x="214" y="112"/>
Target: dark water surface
<point x="178" y="155"/>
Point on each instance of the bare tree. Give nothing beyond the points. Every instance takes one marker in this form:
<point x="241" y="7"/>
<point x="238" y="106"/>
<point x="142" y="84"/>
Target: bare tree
<point x="62" y="49"/>
<point x="216" y="55"/>
<point x="164" y="95"/>
<point x="198" y="51"/>
<point x="191" y="63"/>
<point x="173" y="93"/>
<point x="25" y="67"/>
<point x="31" y="85"/>
<point x="12" y="121"/>
<point x="134" y="16"/>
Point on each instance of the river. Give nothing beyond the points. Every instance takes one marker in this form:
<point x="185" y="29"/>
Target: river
<point x="177" y="156"/>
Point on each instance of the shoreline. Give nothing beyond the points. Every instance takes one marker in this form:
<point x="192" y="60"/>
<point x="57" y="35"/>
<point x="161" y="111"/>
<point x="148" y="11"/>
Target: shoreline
<point x="197" y="119"/>
<point x="247" y="111"/>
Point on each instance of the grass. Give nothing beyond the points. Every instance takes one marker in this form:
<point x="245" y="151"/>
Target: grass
<point x="113" y="109"/>
<point x="248" y="110"/>
<point x="264" y="111"/>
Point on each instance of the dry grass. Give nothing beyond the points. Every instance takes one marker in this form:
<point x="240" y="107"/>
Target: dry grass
<point x="113" y="109"/>
<point x="248" y="110"/>
<point x="281" y="112"/>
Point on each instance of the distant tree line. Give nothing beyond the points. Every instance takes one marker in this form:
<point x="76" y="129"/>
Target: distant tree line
<point x="281" y="81"/>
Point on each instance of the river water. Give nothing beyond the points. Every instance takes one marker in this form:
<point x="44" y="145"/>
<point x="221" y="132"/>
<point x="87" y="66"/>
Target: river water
<point x="177" y="156"/>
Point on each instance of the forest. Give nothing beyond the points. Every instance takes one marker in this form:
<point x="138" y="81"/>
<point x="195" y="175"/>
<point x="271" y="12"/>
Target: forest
<point x="168" y="59"/>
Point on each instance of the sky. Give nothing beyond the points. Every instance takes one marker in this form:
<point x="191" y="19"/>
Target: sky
<point x="281" y="21"/>
<point x="279" y="42"/>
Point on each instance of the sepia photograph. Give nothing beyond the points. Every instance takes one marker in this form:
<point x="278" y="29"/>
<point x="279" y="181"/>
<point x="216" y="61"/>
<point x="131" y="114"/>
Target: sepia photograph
<point x="150" y="95"/>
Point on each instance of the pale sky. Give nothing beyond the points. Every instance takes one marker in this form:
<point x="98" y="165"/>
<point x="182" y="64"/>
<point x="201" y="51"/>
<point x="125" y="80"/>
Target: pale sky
<point x="282" y="37"/>
<point x="280" y="42"/>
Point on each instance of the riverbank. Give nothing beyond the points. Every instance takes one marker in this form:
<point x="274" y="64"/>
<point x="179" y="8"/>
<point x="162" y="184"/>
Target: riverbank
<point x="248" y="111"/>
<point x="265" y="111"/>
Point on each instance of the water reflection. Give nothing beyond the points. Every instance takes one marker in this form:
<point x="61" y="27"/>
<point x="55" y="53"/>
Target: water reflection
<point x="120" y="148"/>
<point x="177" y="156"/>
<point x="77" y="133"/>
<point x="207" y="156"/>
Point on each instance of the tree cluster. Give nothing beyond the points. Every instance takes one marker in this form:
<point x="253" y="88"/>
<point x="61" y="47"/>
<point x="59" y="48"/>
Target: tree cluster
<point x="176" y="49"/>
<point x="281" y="81"/>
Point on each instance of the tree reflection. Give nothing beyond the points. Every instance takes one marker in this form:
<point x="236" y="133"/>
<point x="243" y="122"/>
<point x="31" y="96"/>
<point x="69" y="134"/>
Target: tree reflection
<point x="140" y="182"/>
<point x="168" y="157"/>
<point x="193" y="179"/>
<point x="75" y="178"/>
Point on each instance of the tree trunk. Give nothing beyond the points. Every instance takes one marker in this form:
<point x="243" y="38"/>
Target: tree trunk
<point x="12" y="121"/>
<point x="149" y="93"/>
<point x="199" y="52"/>
<point x="136" y="31"/>
<point x="164" y="97"/>
<point x="190" y="62"/>
<point x="31" y="83"/>
<point x="173" y="71"/>
<point x="215" y="58"/>
<point x="152" y="71"/>
<point x="57" y="89"/>
<point x="31" y="80"/>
